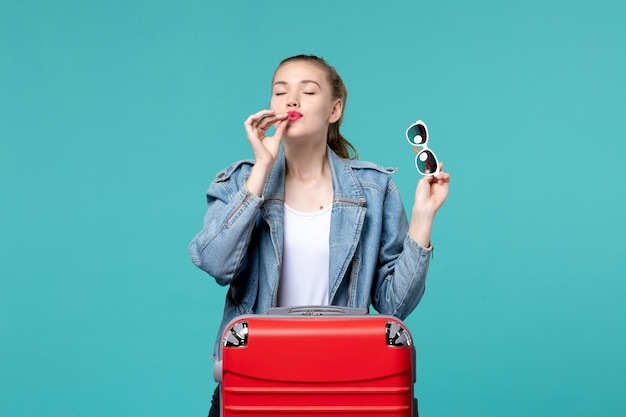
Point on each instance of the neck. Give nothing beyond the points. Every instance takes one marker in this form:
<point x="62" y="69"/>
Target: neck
<point x="306" y="162"/>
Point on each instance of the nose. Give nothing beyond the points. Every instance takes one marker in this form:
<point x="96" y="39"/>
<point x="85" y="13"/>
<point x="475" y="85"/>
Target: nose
<point x="292" y="103"/>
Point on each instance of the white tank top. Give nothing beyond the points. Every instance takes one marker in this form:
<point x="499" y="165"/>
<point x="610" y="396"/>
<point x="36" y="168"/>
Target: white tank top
<point x="304" y="278"/>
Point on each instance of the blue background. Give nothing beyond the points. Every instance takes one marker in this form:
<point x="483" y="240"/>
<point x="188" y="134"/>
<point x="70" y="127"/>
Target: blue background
<point x="116" y="115"/>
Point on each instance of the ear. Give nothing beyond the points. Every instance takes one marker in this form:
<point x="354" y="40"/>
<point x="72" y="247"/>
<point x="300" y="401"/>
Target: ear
<point x="337" y="111"/>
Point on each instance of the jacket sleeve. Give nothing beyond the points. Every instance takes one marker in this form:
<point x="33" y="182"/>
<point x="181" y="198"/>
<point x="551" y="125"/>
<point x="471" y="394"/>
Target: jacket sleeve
<point x="401" y="275"/>
<point x="220" y="248"/>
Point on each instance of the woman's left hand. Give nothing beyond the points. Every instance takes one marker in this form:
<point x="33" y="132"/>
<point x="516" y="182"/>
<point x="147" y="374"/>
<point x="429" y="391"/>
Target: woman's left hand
<point x="430" y="194"/>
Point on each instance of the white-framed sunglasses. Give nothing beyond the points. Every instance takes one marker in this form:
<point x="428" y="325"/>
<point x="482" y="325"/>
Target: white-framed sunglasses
<point x="426" y="162"/>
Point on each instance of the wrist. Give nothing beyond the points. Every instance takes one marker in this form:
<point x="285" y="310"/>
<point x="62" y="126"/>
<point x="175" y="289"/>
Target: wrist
<point x="420" y="232"/>
<point x="420" y="215"/>
<point x="256" y="181"/>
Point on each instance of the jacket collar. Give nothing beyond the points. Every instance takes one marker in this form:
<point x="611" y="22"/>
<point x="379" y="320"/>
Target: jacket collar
<point x="346" y="187"/>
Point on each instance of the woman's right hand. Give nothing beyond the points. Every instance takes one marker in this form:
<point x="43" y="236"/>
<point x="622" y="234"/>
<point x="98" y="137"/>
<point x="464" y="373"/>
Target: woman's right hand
<point x="265" y="148"/>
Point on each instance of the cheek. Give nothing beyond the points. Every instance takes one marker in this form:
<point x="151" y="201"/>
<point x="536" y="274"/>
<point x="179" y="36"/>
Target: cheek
<point x="276" y="103"/>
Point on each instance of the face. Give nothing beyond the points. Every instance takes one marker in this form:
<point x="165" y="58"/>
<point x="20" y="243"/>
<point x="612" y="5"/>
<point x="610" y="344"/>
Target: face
<point x="302" y="87"/>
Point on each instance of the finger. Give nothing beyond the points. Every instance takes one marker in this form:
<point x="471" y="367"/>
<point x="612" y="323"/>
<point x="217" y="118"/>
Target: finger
<point x="280" y="128"/>
<point x="250" y="130"/>
<point x="442" y="174"/>
<point x="426" y="181"/>
<point x="254" y="119"/>
<point x="267" y="121"/>
<point x="442" y="177"/>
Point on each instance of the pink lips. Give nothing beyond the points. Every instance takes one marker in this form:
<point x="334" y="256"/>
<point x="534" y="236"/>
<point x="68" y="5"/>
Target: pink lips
<point x="294" y="115"/>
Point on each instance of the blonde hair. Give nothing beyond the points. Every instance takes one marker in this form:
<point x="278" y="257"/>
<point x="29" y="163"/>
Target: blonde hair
<point x="335" y="139"/>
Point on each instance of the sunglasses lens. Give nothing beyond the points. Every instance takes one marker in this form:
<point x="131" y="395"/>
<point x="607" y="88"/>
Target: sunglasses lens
<point x="426" y="162"/>
<point x="417" y="134"/>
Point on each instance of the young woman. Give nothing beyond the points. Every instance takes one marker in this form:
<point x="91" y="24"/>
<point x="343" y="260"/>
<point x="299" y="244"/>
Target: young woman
<point x="305" y="223"/>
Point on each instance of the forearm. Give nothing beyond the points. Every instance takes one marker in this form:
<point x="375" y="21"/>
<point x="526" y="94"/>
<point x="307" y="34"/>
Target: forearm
<point x="220" y="247"/>
<point x="400" y="288"/>
<point x="256" y="181"/>
<point x="421" y="227"/>
<point x="403" y="258"/>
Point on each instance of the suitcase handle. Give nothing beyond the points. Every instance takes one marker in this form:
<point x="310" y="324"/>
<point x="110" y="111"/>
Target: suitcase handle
<point x="317" y="311"/>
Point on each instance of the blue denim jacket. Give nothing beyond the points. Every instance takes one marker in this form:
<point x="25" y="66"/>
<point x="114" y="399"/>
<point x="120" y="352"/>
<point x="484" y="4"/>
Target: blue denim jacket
<point x="373" y="260"/>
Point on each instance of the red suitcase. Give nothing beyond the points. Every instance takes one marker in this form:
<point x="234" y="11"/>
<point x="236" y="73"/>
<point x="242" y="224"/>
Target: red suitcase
<point x="317" y="361"/>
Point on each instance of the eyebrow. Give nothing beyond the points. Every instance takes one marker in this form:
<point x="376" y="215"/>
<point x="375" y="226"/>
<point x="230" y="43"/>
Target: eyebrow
<point x="301" y="82"/>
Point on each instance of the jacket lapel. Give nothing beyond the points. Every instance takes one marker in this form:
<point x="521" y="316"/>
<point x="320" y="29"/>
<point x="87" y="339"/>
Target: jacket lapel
<point x="273" y="211"/>
<point x="346" y="224"/>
